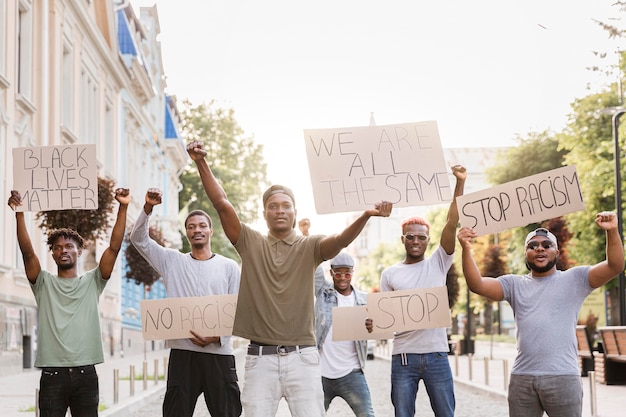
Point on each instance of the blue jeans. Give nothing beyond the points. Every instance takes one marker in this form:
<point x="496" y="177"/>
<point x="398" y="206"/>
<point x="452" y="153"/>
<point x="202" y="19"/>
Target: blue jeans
<point x="75" y="387"/>
<point x="353" y="389"/>
<point x="557" y="395"/>
<point x="407" y="369"/>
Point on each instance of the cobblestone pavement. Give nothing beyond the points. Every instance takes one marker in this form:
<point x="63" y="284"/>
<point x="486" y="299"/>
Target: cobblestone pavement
<point x="471" y="402"/>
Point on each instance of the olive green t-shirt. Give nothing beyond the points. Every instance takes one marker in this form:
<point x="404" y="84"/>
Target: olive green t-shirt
<point x="69" y="321"/>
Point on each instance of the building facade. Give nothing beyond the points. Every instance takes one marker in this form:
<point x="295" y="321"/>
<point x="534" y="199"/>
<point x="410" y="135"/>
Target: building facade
<point x="83" y="72"/>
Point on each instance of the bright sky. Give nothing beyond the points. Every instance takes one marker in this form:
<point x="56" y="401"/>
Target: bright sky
<point x="484" y="70"/>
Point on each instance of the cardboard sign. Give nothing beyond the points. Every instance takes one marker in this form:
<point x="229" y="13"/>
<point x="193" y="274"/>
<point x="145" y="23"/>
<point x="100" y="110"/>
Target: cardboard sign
<point x="172" y="318"/>
<point x="419" y="308"/>
<point x="349" y="324"/>
<point x="354" y="168"/>
<point x="518" y="203"/>
<point x="61" y="177"/>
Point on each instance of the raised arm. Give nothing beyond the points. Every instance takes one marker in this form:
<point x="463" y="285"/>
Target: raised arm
<point x="228" y="216"/>
<point x="449" y="230"/>
<point x="603" y="272"/>
<point x="331" y="245"/>
<point x="32" y="267"/>
<point x="487" y="287"/>
<point x="107" y="261"/>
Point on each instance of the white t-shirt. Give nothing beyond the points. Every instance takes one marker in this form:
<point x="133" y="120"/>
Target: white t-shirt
<point x="339" y="358"/>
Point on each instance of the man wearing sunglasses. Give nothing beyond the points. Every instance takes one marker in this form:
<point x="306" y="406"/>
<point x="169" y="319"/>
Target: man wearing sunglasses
<point x="342" y="362"/>
<point x="546" y="303"/>
<point x="423" y="354"/>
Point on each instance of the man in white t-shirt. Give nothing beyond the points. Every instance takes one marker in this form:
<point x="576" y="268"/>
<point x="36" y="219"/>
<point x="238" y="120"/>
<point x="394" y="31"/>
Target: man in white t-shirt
<point x="342" y="362"/>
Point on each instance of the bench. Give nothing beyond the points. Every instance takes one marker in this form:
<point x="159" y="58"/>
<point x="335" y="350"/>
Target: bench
<point x="585" y="351"/>
<point x="610" y="364"/>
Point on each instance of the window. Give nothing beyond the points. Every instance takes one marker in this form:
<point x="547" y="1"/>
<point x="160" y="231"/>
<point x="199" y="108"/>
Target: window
<point x="88" y="106"/>
<point x="24" y="50"/>
<point x="67" y="88"/>
<point x="3" y="37"/>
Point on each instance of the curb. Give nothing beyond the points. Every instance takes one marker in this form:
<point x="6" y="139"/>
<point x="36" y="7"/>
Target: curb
<point x="123" y="409"/>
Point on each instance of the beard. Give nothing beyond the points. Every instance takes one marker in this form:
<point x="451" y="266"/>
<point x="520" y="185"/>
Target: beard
<point x="65" y="267"/>
<point x="532" y="267"/>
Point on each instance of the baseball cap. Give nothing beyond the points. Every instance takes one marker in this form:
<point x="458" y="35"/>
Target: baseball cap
<point x="343" y="260"/>
<point x="275" y="189"/>
<point x="541" y="232"/>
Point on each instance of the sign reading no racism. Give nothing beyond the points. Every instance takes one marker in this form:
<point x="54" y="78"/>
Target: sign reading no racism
<point x="354" y="168"/>
<point x="518" y="203"/>
<point x="56" y="177"/>
<point x="173" y="318"/>
<point x="420" y="308"/>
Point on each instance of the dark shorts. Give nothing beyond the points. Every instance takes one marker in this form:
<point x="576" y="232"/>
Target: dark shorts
<point x="190" y="374"/>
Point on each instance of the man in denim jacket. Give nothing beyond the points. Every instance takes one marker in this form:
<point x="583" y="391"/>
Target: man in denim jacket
<point x="342" y="362"/>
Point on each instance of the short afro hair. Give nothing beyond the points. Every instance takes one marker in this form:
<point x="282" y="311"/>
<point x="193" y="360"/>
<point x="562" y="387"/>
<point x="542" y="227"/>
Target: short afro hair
<point x="66" y="233"/>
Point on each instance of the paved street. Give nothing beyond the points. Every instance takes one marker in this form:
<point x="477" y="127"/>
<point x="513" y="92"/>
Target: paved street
<point x="471" y="402"/>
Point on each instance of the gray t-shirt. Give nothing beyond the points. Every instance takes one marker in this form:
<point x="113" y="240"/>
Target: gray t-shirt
<point x="546" y="312"/>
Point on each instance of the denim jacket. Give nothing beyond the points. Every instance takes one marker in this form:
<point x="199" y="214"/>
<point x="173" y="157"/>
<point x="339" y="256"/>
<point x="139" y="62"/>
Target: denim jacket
<point x="326" y="299"/>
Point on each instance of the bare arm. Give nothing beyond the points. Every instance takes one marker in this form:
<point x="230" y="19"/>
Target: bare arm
<point x="487" y="287"/>
<point x="32" y="267"/>
<point x="331" y="245"/>
<point x="215" y="192"/>
<point x="603" y="272"/>
<point x="448" y="234"/>
<point x="107" y="261"/>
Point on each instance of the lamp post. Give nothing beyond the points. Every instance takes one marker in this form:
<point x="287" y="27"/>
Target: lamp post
<point x="617" y="113"/>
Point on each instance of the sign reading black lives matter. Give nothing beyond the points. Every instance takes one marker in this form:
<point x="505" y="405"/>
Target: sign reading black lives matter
<point x="354" y="168"/>
<point x="518" y="203"/>
<point x="61" y="177"/>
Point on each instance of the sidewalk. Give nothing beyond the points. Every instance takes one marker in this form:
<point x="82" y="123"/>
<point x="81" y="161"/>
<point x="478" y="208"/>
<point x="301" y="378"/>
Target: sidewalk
<point x="17" y="392"/>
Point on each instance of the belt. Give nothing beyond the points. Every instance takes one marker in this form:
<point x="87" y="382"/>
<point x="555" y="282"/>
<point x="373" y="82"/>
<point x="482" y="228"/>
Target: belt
<point x="68" y="369"/>
<point x="258" y="350"/>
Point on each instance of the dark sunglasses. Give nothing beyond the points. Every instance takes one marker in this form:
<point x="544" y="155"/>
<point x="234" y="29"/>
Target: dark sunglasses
<point x="546" y="244"/>
<point x="411" y="236"/>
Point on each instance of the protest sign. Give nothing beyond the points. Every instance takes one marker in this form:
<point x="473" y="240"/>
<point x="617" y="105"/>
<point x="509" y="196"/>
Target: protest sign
<point x="56" y="177"/>
<point x="353" y="168"/>
<point x="173" y="318"/>
<point x="349" y="324"/>
<point x="518" y="203"/>
<point x="419" y="308"/>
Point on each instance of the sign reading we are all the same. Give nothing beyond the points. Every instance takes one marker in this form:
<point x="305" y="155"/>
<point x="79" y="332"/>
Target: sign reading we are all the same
<point x="353" y="168"/>
<point x="56" y="177"/>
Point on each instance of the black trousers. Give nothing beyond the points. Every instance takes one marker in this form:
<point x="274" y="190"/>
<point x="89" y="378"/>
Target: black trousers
<point x="190" y="374"/>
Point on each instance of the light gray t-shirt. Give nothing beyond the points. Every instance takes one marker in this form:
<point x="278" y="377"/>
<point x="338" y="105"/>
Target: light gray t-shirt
<point x="546" y="312"/>
<point x="430" y="272"/>
<point x="185" y="276"/>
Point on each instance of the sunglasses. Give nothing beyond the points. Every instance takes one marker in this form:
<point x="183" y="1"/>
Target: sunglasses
<point x="411" y="236"/>
<point x="546" y="244"/>
<point x="342" y="275"/>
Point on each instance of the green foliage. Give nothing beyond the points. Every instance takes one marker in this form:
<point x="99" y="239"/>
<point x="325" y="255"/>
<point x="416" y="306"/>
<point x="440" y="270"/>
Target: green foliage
<point x="90" y="224"/>
<point x="385" y="255"/>
<point x="139" y="269"/>
<point x="236" y="161"/>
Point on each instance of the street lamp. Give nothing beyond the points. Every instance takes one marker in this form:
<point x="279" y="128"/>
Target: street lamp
<point x="616" y="113"/>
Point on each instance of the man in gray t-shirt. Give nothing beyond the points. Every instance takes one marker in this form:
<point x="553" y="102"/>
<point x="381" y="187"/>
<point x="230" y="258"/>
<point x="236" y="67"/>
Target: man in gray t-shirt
<point x="546" y="302"/>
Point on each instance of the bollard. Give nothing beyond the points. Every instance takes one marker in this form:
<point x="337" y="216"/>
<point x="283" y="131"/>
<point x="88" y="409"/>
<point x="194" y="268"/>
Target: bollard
<point x="156" y="371"/>
<point x="469" y="357"/>
<point x="132" y="380"/>
<point x="486" y="370"/>
<point x="116" y="386"/>
<point x="593" y="393"/>
<point x="505" y="368"/>
<point x="145" y="375"/>
<point x="37" y="411"/>
<point x="165" y="366"/>
<point x="456" y="363"/>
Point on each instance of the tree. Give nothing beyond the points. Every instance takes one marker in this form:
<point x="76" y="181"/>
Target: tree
<point x="385" y="255"/>
<point x="235" y="160"/>
<point x="492" y="266"/>
<point x="138" y="267"/>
